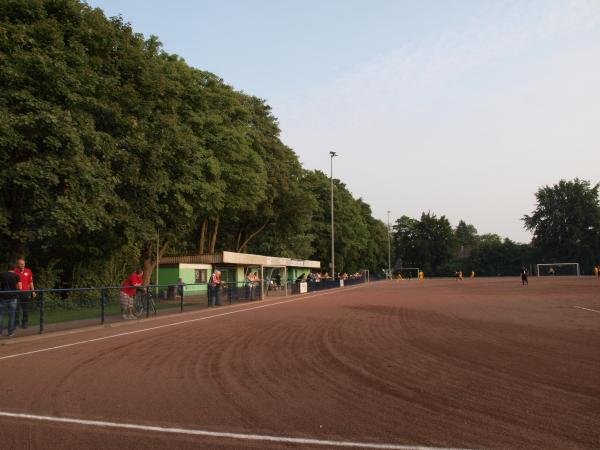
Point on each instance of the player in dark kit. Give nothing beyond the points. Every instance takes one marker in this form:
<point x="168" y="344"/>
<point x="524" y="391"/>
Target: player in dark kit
<point x="524" y="275"/>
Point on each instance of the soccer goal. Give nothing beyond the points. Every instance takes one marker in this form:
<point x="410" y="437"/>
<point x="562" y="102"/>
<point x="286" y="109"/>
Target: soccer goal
<point x="409" y="272"/>
<point x="557" y="269"/>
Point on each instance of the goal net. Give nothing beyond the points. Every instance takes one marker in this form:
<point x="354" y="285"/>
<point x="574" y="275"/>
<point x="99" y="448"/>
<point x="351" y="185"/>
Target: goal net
<point x="408" y="272"/>
<point x="556" y="269"/>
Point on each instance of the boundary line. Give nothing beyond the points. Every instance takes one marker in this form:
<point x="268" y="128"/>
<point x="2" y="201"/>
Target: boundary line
<point x="197" y="432"/>
<point x="88" y="341"/>
<point x="587" y="309"/>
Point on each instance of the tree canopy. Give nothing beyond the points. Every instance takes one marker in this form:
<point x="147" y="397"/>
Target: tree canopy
<point x="566" y="223"/>
<point x="108" y="141"/>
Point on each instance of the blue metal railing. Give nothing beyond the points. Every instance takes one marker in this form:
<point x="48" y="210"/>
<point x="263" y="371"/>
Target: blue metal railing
<point x="103" y="301"/>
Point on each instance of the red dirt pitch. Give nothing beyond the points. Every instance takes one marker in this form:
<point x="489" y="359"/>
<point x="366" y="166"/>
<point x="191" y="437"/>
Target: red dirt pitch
<point x="484" y="363"/>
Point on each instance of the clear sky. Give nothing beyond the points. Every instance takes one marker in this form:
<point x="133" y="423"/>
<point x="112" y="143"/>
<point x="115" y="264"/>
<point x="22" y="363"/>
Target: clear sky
<point x="461" y="108"/>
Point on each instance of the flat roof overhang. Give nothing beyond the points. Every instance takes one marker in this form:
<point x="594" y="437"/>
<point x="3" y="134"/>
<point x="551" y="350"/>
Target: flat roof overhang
<point x="246" y="259"/>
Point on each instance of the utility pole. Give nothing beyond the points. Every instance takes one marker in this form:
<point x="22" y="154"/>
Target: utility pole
<point x="331" y="156"/>
<point x="389" y="248"/>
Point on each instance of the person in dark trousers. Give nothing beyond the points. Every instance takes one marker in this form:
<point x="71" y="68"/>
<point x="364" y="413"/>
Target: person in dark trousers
<point x="9" y="281"/>
<point x="278" y="280"/>
<point x="180" y="287"/>
<point x="24" y="300"/>
<point x="214" y="289"/>
<point x="524" y="276"/>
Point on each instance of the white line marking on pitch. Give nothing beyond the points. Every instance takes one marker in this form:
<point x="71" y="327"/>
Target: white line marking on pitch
<point x="88" y="341"/>
<point x="587" y="309"/>
<point x="239" y="436"/>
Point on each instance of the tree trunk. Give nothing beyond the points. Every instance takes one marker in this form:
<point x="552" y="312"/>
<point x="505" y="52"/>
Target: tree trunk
<point x="203" y="236"/>
<point x="213" y="241"/>
<point x="149" y="263"/>
<point x="239" y="238"/>
<point x="244" y="246"/>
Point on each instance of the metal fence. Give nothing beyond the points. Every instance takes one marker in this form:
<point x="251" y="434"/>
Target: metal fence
<point x="101" y="305"/>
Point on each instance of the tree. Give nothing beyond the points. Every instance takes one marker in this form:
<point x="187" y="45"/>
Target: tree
<point x="466" y="236"/>
<point x="360" y="240"/>
<point x="566" y="223"/>
<point x="428" y="243"/>
<point x="404" y="241"/>
<point x="494" y="256"/>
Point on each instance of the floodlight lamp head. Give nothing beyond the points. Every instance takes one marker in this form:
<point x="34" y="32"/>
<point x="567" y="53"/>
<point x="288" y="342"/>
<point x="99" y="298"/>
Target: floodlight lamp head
<point x="333" y="154"/>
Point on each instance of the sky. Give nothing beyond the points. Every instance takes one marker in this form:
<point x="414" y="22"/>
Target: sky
<point x="460" y="108"/>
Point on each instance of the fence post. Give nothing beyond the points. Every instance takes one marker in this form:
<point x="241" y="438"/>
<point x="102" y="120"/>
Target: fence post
<point x="102" y="305"/>
<point x="147" y="302"/>
<point x="42" y="312"/>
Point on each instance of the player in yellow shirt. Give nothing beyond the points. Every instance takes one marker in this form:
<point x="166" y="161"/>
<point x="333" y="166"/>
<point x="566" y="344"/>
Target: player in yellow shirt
<point x="472" y="274"/>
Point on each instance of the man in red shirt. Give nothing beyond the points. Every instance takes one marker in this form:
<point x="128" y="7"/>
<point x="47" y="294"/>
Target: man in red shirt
<point x="26" y="277"/>
<point x="128" y="292"/>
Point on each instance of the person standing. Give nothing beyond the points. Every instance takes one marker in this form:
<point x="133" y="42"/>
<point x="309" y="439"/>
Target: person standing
<point x="129" y="291"/>
<point x="180" y="287"/>
<point x="9" y="281"/>
<point x="248" y="285"/>
<point x="24" y="300"/>
<point x="524" y="276"/>
<point x="278" y="280"/>
<point x="214" y="289"/>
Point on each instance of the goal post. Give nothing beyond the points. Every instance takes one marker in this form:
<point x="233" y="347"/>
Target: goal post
<point x="561" y="269"/>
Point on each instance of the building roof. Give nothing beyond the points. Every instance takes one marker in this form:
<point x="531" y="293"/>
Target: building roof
<point x="241" y="258"/>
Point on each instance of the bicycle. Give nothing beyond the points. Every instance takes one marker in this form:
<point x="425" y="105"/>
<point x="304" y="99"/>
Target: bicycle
<point x="139" y="304"/>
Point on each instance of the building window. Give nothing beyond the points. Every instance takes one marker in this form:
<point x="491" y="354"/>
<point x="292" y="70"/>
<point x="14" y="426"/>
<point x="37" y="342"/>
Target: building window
<point x="200" y="275"/>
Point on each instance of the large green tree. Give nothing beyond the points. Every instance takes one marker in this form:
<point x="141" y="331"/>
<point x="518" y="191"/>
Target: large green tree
<point x="566" y="223"/>
<point x="360" y="240"/>
<point x="428" y="243"/>
<point x="108" y="142"/>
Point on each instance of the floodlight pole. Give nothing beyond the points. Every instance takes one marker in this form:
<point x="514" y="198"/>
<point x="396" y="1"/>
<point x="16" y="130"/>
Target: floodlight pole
<point x="331" y="156"/>
<point x="389" y="248"/>
<point x="157" y="260"/>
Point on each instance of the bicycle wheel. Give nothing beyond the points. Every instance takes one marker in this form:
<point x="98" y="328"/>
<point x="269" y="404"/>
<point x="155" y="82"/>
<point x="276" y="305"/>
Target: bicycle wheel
<point x="138" y="305"/>
<point x="152" y="304"/>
